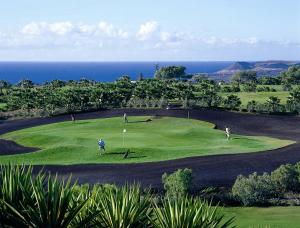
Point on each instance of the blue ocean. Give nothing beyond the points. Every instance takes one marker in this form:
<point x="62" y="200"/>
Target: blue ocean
<point x="40" y="72"/>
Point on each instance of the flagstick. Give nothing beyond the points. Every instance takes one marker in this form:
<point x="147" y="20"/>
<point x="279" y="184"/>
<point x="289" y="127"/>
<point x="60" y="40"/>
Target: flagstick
<point x="124" y="131"/>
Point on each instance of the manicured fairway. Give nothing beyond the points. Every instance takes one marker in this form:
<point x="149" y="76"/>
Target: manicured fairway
<point x="160" y="139"/>
<point x="279" y="217"/>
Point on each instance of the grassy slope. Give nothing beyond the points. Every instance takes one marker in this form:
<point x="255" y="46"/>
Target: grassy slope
<point x="161" y="139"/>
<point x="261" y="97"/>
<point x="265" y="217"/>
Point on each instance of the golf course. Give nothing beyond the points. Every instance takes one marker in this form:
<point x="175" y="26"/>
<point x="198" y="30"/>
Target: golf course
<point x="149" y="139"/>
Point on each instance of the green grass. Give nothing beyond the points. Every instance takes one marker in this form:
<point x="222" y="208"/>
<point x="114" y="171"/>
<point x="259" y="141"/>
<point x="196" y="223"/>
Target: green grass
<point x="261" y="97"/>
<point x="3" y="106"/>
<point x="161" y="139"/>
<point x="254" y="217"/>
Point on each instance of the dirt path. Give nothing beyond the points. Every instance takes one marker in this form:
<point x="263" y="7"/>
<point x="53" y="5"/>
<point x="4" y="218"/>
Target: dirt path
<point x="217" y="170"/>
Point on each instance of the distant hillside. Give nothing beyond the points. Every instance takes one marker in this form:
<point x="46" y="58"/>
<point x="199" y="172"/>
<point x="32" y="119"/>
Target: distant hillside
<point x="239" y="66"/>
<point x="271" y="68"/>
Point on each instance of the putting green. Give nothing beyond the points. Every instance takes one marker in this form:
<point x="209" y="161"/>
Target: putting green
<point x="160" y="139"/>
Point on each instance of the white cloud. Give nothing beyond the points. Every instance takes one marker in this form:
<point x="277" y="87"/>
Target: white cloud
<point x="86" y="29"/>
<point x="147" y="30"/>
<point x="110" y="30"/>
<point x="251" y="40"/>
<point x="33" y="28"/>
<point x="111" y="38"/>
<point x="38" y="28"/>
<point x="61" y="28"/>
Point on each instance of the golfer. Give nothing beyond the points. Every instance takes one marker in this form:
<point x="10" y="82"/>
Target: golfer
<point x="125" y="118"/>
<point x="101" y="144"/>
<point x="227" y="132"/>
<point x="73" y="117"/>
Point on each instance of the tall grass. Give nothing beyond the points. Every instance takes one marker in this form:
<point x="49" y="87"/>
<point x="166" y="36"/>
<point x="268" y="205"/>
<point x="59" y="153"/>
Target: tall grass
<point x="41" y="200"/>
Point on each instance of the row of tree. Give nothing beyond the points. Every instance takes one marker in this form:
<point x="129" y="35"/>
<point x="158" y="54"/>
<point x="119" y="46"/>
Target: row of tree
<point x="249" y="79"/>
<point x="83" y="95"/>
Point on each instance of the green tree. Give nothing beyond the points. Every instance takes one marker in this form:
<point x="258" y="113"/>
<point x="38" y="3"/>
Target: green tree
<point x="232" y="102"/>
<point x="268" y="80"/>
<point x="208" y="94"/>
<point x="170" y="72"/>
<point x="57" y="83"/>
<point x="286" y="178"/>
<point x="254" y="189"/>
<point x="198" y="78"/>
<point x="124" y="88"/>
<point x="252" y="106"/>
<point x="273" y="104"/>
<point x="25" y="84"/>
<point x="243" y="77"/>
<point x="295" y="94"/>
<point x="250" y="86"/>
<point x="75" y="98"/>
<point x="177" y="184"/>
<point x="4" y="85"/>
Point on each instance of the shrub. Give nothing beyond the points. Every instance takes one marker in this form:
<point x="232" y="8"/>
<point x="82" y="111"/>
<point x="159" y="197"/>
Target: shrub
<point x="287" y="87"/>
<point x="252" y="106"/>
<point x="188" y="213"/>
<point x="254" y="189"/>
<point x="273" y="105"/>
<point x="297" y="168"/>
<point x="226" y="89"/>
<point x="266" y="89"/>
<point x="231" y="89"/>
<point x="285" y="178"/>
<point x="232" y="102"/>
<point x="219" y="196"/>
<point x="293" y="106"/>
<point x="178" y="183"/>
<point x="249" y="87"/>
<point x="235" y="88"/>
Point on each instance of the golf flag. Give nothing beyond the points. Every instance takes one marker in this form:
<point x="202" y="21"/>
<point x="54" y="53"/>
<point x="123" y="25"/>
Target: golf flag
<point x="124" y="130"/>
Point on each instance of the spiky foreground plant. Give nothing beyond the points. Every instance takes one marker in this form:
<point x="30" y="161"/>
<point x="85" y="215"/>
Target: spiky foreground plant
<point x="44" y="201"/>
<point x="14" y="181"/>
<point x="123" y="207"/>
<point x="40" y="201"/>
<point x="188" y="213"/>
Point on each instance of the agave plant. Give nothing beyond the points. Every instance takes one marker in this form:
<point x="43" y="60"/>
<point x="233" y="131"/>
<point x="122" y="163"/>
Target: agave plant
<point x="38" y="201"/>
<point x="123" y="207"/>
<point x="188" y="213"/>
<point x="14" y="181"/>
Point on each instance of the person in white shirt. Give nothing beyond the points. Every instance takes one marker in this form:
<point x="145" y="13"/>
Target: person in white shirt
<point x="125" y="118"/>
<point x="227" y="132"/>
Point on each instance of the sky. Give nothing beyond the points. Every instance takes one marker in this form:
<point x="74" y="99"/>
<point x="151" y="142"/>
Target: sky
<point x="149" y="30"/>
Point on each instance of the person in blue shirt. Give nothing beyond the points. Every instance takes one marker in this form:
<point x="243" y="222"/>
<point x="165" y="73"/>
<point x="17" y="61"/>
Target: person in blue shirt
<point x="101" y="144"/>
